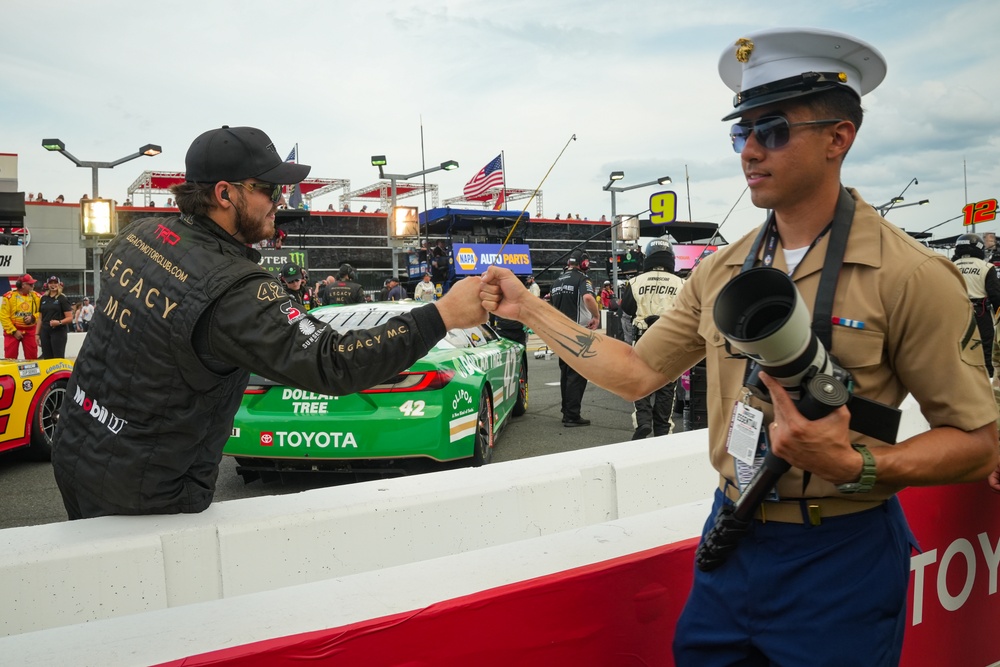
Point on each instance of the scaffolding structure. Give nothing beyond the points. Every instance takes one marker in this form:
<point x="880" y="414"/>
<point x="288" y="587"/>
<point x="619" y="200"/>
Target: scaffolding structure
<point x="382" y="190"/>
<point x="489" y="199"/>
<point x="159" y="182"/>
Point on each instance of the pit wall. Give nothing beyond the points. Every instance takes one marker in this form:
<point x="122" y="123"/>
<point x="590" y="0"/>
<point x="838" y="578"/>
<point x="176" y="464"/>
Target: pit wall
<point x="575" y="558"/>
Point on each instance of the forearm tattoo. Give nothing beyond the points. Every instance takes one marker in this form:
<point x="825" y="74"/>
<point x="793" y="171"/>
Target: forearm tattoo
<point x="578" y="344"/>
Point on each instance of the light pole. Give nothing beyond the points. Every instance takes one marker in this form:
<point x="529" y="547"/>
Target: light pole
<point x="58" y="145"/>
<point x="889" y="205"/>
<point x="610" y="187"/>
<point x="380" y="162"/>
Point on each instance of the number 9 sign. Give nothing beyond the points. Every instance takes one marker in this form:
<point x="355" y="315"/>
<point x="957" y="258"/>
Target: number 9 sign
<point x="663" y="207"/>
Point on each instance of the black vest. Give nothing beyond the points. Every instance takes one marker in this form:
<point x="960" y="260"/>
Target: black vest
<point x="144" y="422"/>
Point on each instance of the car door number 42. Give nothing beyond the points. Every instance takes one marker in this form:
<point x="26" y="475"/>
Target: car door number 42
<point x="413" y="408"/>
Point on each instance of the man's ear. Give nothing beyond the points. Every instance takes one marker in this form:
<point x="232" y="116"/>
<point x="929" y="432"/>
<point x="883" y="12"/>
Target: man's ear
<point x="842" y="138"/>
<point x="222" y="194"/>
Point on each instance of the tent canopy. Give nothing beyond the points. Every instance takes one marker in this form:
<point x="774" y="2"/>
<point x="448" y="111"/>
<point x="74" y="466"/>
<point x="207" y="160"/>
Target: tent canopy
<point x="449" y="220"/>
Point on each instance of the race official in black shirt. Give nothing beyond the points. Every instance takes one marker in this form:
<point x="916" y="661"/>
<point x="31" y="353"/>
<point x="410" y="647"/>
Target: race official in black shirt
<point x="573" y="295"/>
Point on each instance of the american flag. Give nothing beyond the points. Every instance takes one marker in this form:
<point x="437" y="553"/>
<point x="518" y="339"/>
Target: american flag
<point x="490" y="176"/>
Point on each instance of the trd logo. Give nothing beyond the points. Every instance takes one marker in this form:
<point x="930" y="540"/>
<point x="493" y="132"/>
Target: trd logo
<point x="266" y="439"/>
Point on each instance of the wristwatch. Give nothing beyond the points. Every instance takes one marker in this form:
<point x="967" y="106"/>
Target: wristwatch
<point x="867" y="480"/>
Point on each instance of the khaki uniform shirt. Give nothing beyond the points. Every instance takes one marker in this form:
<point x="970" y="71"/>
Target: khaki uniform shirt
<point x="917" y="337"/>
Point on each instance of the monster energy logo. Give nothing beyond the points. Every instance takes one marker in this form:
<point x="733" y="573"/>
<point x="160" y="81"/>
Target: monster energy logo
<point x="297" y="258"/>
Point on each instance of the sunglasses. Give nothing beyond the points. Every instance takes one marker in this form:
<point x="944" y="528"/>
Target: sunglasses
<point x="275" y="190"/>
<point x="771" y="131"/>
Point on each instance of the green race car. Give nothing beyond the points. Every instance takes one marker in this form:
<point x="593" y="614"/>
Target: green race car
<point x="447" y="407"/>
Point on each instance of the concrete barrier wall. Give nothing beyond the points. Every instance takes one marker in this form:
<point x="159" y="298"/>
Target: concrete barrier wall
<point x="376" y="548"/>
<point x="73" y="572"/>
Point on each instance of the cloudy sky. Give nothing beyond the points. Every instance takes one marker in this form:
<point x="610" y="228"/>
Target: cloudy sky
<point x="636" y="81"/>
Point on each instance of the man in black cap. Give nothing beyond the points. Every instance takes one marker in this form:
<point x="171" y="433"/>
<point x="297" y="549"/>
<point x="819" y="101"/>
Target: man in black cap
<point x="186" y="315"/>
<point x="396" y="291"/>
<point x="829" y="549"/>
<point x="573" y="295"/>
<point x="293" y="277"/>
<point x="344" y="289"/>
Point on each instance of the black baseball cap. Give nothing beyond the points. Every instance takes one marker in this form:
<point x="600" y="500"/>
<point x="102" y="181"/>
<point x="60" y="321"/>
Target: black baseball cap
<point x="291" y="272"/>
<point x="237" y="153"/>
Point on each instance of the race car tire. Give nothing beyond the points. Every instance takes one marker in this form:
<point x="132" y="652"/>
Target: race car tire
<point x="482" y="449"/>
<point x="43" y="422"/>
<point x="521" y="404"/>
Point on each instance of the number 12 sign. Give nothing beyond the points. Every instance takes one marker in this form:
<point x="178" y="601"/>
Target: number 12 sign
<point x="981" y="211"/>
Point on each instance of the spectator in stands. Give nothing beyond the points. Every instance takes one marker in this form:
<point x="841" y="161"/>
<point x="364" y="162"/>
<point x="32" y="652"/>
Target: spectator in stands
<point x="127" y="202"/>
<point x="31" y="196"/>
<point x="347" y="208"/>
<point x="60" y="199"/>
<point x="152" y="204"/>
<point x="86" y="314"/>
<point x="557" y="216"/>
<point x="40" y="197"/>
<point x="170" y="202"/>
<point x="76" y="317"/>
<point x="425" y="290"/>
<point x="383" y="294"/>
<point x="396" y="291"/>
<point x="19" y="317"/>
<point x="56" y="316"/>
<point x="364" y="209"/>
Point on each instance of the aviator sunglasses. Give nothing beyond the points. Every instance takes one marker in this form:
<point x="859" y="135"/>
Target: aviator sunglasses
<point x="771" y="131"/>
<point x="275" y="190"/>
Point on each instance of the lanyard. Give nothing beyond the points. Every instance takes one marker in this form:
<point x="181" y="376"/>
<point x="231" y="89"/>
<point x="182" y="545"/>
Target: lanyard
<point x="840" y="228"/>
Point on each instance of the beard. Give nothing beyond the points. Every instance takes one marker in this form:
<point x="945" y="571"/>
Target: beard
<point x="250" y="229"/>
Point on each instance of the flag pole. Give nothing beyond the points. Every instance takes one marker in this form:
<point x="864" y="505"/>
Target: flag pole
<point x="530" y="199"/>
<point x="427" y="231"/>
<point x="503" y="190"/>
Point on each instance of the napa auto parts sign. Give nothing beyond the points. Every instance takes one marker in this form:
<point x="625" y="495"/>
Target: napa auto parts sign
<point x="474" y="258"/>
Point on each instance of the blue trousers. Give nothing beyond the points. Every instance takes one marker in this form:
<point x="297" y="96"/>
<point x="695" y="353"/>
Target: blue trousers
<point x="832" y="595"/>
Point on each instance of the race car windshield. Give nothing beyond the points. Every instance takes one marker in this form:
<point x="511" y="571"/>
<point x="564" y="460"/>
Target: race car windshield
<point x="349" y="320"/>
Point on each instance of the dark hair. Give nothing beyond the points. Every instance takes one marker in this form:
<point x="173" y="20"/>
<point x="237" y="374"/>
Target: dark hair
<point x="837" y="103"/>
<point x="194" y="198"/>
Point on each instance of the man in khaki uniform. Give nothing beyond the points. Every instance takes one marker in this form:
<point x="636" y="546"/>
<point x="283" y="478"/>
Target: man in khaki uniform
<point x="833" y="550"/>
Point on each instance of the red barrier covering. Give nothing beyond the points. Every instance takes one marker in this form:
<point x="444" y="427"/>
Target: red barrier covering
<point x="623" y="611"/>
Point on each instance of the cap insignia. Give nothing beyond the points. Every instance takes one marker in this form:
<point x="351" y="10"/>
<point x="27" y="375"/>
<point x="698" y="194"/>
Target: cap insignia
<point x="744" y="47"/>
<point x="842" y="77"/>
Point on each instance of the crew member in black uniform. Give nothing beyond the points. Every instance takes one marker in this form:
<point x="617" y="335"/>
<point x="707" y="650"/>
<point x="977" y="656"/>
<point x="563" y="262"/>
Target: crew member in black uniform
<point x="645" y="297"/>
<point x="344" y="289"/>
<point x="294" y="279"/>
<point x="573" y="295"/>
<point x="56" y="316"/>
<point x="186" y="315"/>
<point x="983" y="286"/>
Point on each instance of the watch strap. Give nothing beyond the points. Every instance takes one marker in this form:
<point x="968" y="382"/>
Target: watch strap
<point x="866" y="482"/>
